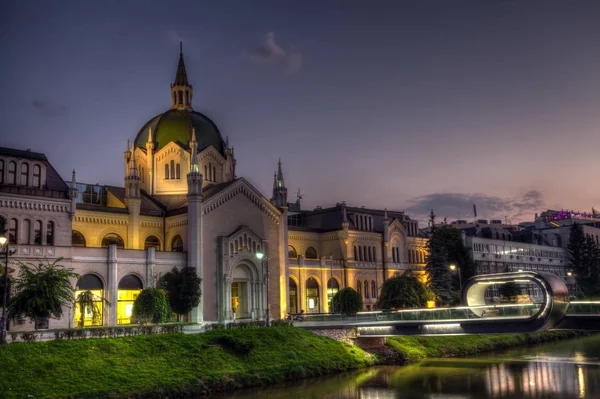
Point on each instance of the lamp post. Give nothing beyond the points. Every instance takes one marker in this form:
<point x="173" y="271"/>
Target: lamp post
<point x="457" y="269"/>
<point x="4" y="245"/>
<point x="265" y="265"/>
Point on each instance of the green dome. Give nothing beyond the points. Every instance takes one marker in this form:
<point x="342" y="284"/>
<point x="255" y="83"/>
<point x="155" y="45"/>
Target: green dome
<point x="176" y="125"/>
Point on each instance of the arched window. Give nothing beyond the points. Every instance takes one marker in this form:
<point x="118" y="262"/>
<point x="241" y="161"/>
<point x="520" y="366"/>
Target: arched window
<point x="50" y="233"/>
<point x="166" y="171"/>
<point x="177" y="244"/>
<point x="206" y="172"/>
<point x="292" y="252"/>
<point x="130" y="287"/>
<point x="1" y="171"/>
<point x="13" y="231"/>
<point x="77" y="239"/>
<point x="361" y="253"/>
<point x="187" y="97"/>
<point x="12" y="172"/>
<point x="37" y="233"/>
<point x="37" y="176"/>
<point x="210" y="172"/>
<point x="356" y="252"/>
<point x="152" y="241"/>
<point x="293" y="292"/>
<point x="310" y="253"/>
<point x="373" y="290"/>
<point x="332" y="288"/>
<point x="90" y="317"/>
<point x="26" y="231"/>
<point x="24" y="174"/>
<point x="112" y="239"/>
<point x="172" y="169"/>
<point x="178" y="171"/>
<point x="180" y="95"/>
<point x="366" y="283"/>
<point x="214" y="173"/>
<point x="359" y="287"/>
<point x="312" y="296"/>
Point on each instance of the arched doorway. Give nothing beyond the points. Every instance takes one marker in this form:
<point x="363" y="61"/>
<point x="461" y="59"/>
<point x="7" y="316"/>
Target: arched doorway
<point x="332" y="288"/>
<point x="243" y="294"/>
<point x="293" y="296"/>
<point x="130" y="287"/>
<point x="95" y="316"/>
<point x="312" y="296"/>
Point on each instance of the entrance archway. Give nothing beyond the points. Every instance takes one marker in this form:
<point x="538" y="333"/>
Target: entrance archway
<point x="90" y="317"/>
<point x="312" y="296"/>
<point x="243" y="297"/>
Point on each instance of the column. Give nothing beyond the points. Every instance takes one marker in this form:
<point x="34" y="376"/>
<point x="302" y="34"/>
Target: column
<point x="113" y="284"/>
<point x="150" y="262"/>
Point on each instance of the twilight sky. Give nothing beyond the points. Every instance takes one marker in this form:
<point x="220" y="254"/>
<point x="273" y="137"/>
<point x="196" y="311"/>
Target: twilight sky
<point x="407" y="105"/>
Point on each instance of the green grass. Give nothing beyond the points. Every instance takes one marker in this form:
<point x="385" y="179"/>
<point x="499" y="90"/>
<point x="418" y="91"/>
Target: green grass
<point x="413" y="349"/>
<point x="170" y="364"/>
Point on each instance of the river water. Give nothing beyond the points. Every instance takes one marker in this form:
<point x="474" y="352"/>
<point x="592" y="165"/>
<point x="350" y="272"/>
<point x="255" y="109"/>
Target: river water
<point x="562" y="370"/>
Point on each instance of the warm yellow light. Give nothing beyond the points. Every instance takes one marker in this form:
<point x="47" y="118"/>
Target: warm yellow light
<point x="3" y="240"/>
<point x="259" y="255"/>
<point x="431" y="304"/>
<point x="452" y="267"/>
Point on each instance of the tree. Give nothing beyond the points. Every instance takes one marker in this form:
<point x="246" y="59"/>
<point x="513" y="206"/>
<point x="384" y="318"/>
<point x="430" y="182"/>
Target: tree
<point x="150" y="307"/>
<point x="347" y="301"/>
<point x="41" y="291"/>
<point x="583" y="255"/>
<point x="402" y="292"/>
<point x="456" y="254"/>
<point x="439" y="279"/>
<point x="183" y="289"/>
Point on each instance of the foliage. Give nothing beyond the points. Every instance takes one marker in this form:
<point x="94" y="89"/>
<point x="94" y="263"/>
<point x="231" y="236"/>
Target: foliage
<point x="183" y="289"/>
<point x="171" y="365"/>
<point x="403" y="292"/>
<point x="347" y="301"/>
<point x="439" y="279"/>
<point x="150" y="307"/>
<point x="456" y="253"/>
<point x="509" y="290"/>
<point x="41" y="291"/>
<point x="583" y="254"/>
<point x="88" y="303"/>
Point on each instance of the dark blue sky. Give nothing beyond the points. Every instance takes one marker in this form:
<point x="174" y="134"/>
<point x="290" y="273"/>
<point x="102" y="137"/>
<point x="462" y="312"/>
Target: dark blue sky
<point x="400" y="104"/>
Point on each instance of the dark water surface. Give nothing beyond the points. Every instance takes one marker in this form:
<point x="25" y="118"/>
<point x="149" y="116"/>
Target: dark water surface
<point x="566" y="369"/>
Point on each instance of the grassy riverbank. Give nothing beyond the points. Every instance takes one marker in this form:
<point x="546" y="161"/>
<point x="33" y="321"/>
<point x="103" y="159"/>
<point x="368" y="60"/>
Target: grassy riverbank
<point x="413" y="349"/>
<point x="170" y="364"/>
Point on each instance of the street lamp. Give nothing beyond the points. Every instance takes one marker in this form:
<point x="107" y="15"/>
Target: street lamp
<point x="4" y="245"/>
<point x="456" y="268"/>
<point x="265" y="265"/>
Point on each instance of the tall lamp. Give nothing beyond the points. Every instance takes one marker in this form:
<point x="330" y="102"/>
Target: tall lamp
<point x="265" y="266"/>
<point x="4" y="245"/>
<point x="457" y="269"/>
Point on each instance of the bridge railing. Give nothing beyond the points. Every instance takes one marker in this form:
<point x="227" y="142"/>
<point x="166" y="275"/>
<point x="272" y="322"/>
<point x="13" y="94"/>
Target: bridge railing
<point x="584" y="308"/>
<point x="432" y="314"/>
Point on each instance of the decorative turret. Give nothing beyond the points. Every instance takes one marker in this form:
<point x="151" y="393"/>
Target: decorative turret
<point x="181" y="90"/>
<point x="132" y="180"/>
<point x="279" y="198"/>
<point x="126" y="156"/>
<point x="73" y="192"/>
<point x="386" y="225"/>
<point x="149" y="178"/>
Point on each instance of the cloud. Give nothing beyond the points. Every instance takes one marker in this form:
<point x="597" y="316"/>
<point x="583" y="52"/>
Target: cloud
<point x="272" y="53"/>
<point x="49" y="108"/>
<point x="460" y="206"/>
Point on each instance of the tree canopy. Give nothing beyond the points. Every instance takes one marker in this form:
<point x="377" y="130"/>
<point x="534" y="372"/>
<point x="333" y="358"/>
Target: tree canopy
<point x="150" y="306"/>
<point x="183" y="289"/>
<point x="583" y="255"/>
<point x="404" y="292"/>
<point x="347" y="301"/>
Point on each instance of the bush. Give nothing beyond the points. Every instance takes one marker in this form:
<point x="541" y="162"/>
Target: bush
<point x="347" y="301"/>
<point x="183" y="289"/>
<point x="403" y="292"/>
<point x="150" y="307"/>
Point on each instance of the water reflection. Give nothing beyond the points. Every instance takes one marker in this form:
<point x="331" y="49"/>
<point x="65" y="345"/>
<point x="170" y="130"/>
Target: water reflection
<point x="565" y="370"/>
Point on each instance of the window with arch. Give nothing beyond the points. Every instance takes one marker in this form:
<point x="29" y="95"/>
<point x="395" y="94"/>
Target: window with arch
<point x="93" y="284"/>
<point x="13" y="231"/>
<point x="310" y="253"/>
<point x="332" y="288"/>
<point x="292" y="252"/>
<point x="37" y="232"/>
<point x="12" y="173"/>
<point x="166" y="171"/>
<point x="206" y="172"/>
<point x="312" y="296"/>
<point x="356" y="252"/>
<point x="177" y="244"/>
<point x="214" y="173"/>
<point x="24" y="174"/>
<point x="359" y="287"/>
<point x="37" y="176"/>
<point x="180" y="96"/>
<point x="187" y="97"/>
<point x="210" y="172"/>
<point x="373" y="289"/>
<point x="172" y="169"/>
<point x="130" y="287"/>
<point x="50" y="233"/>
<point x="178" y="171"/>
<point x="152" y="241"/>
<point x="293" y="295"/>
<point x="77" y="239"/>
<point x="366" y="284"/>
<point x="1" y="171"/>
<point x="112" y="238"/>
<point x="26" y="231"/>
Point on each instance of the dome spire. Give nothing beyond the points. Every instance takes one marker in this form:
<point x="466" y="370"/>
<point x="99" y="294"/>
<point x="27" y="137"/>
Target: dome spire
<point x="181" y="90"/>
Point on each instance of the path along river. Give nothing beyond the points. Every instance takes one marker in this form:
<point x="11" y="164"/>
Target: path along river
<point x="566" y="369"/>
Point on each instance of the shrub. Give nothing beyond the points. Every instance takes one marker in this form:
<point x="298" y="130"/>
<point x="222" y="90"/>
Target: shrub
<point x="347" y="301"/>
<point x="403" y="292"/>
<point x="183" y="289"/>
<point x="150" y="307"/>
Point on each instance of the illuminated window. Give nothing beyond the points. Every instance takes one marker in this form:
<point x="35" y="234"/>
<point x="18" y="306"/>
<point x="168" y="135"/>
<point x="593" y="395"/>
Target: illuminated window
<point x="310" y="253"/>
<point x="37" y="233"/>
<point x="50" y="233"/>
<point x="130" y="287"/>
<point x="13" y="231"/>
<point x="77" y="239"/>
<point x="12" y="172"/>
<point x="293" y="293"/>
<point x="177" y="244"/>
<point x="312" y="296"/>
<point x="292" y="252"/>
<point x="24" y="174"/>
<point x="152" y="241"/>
<point x="37" y="176"/>
<point x="112" y="239"/>
<point x="92" y="285"/>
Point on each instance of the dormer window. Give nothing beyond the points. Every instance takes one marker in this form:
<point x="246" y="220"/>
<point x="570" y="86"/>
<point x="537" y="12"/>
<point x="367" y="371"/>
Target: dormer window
<point x="12" y="172"/>
<point x="37" y="176"/>
<point x="24" y="174"/>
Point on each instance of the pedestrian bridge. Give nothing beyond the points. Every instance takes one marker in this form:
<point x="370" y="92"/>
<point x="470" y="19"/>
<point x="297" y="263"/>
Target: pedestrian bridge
<point x="551" y="310"/>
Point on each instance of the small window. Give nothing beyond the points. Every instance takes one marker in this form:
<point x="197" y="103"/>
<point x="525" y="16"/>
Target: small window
<point x="50" y="233"/>
<point x="166" y="171"/>
<point x="206" y="172"/>
<point x="112" y="239"/>
<point x="37" y="176"/>
<point x="12" y="172"/>
<point x="366" y="289"/>
<point x="172" y="169"/>
<point x="373" y="290"/>
<point x="359" y="287"/>
<point x="13" y="230"/>
<point x="210" y="178"/>
<point x="77" y="239"/>
<point x="24" y="174"/>
<point x="152" y="241"/>
<point x="180" y="94"/>
<point x="37" y="233"/>
<point x="292" y="252"/>
<point x="214" y="173"/>
<point x="187" y="97"/>
<point x="177" y="244"/>
<point x="356" y="252"/>
<point x="310" y="253"/>
<point x="178" y="171"/>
